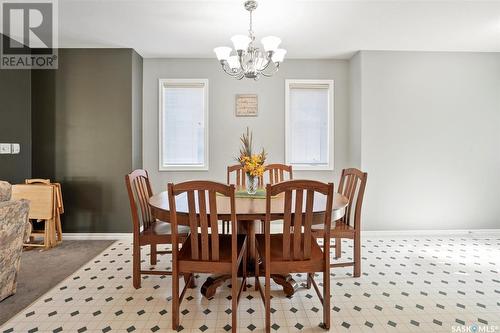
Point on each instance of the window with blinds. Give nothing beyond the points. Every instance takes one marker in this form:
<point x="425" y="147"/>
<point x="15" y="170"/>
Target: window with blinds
<point x="309" y="124"/>
<point x="183" y="124"/>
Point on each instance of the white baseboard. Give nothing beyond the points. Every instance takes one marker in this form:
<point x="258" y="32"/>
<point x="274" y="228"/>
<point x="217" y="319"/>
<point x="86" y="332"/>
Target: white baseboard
<point x="365" y="233"/>
<point x="450" y="232"/>
<point x="97" y="236"/>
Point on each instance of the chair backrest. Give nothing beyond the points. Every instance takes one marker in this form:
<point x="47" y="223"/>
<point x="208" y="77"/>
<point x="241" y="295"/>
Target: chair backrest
<point x="139" y="192"/>
<point x="41" y="197"/>
<point x="201" y="197"/>
<point x="240" y="176"/>
<point x="298" y="217"/>
<point x="239" y="179"/>
<point x="279" y="172"/>
<point x="352" y="185"/>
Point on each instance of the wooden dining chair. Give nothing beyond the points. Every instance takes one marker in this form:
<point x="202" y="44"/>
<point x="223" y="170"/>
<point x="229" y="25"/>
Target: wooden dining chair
<point x="295" y="250"/>
<point x="236" y="175"/>
<point x="205" y="252"/>
<point x="239" y="175"/>
<point x="147" y="230"/>
<point x="278" y="172"/>
<point x="352" y="185"/>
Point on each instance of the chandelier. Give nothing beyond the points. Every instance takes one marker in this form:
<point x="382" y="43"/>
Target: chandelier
<point x="248" y="60"/>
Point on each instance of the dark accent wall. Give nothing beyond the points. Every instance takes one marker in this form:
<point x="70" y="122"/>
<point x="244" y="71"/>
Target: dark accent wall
<point x="87" y="133"/>
<point x="15" y="123"/>
<point x="136" y="110"/>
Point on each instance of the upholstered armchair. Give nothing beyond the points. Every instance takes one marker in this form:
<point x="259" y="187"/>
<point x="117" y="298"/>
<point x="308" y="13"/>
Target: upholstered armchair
<point x="14" y="227"/>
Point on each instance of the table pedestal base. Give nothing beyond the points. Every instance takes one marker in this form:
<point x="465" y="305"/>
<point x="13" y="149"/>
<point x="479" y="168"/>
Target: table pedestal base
<point x="209" y="288"/>
<point x="213" y="282"/>
<point x="287" y="282"/>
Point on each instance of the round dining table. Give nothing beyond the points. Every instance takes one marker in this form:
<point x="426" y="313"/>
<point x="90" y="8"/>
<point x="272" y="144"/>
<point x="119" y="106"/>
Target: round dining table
<point x="249" y="211"/>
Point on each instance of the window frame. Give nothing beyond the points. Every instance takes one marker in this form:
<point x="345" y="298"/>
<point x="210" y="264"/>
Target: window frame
<point x="162" y="83"/>
<point x="331" y="124"/>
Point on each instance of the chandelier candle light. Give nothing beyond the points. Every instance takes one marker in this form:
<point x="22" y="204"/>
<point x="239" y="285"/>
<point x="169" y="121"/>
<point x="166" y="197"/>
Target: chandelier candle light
<point x="249" y="61"/>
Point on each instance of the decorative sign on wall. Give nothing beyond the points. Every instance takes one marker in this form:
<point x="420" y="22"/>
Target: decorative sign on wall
<point x="246" y="105"/>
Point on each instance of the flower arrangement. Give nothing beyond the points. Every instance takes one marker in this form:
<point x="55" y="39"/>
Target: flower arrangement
<point x="253" y="164"/>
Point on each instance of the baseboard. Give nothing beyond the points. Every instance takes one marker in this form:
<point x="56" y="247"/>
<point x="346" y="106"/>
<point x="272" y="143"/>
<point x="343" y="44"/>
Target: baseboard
<point x="97" y="236"/>
<point x="449" y="232"/>
<point x="365" y="233"/>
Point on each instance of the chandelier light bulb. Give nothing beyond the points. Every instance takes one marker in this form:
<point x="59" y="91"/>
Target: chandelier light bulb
<point x="222" y="52"/>
<point x="233" y="62"/>
<point x="240" y="42"/>
<point x="279" y="55"/>
<point x="270" y="43"/>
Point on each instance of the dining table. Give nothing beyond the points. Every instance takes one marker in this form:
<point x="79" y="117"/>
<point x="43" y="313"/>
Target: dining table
<point x="249" y="212"/>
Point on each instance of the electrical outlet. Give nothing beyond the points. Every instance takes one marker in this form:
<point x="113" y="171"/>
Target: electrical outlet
<point x="16" y="148"/>
<point x="5" y="148"/>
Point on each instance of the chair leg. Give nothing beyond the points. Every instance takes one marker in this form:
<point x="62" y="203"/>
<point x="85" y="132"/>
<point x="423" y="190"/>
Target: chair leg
<point x="357" y="255"/>
<point x="234" y="302"/>
<point x="326" y="298"/>
<point x="154" y="256"/>
<point x="175" y="299"/>
<point x="187" y="277"/>
<point x="267" y="296"/>
<point x="309" y="281"/>
<point x="338" y="248"/>
<point x="256" y="271"/>
<point x="245" y="270"/>
<point x="136" y="266"/>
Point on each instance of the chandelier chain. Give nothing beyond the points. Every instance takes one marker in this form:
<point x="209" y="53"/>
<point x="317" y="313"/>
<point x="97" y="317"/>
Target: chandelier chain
<point x="250" y="30"/>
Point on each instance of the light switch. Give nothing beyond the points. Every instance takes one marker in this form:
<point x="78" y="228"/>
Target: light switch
<point x="5" y="148"/>
<point x="16" y="148"/>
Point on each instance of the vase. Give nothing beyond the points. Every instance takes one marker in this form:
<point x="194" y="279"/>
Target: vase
<point x="252" y="184"/>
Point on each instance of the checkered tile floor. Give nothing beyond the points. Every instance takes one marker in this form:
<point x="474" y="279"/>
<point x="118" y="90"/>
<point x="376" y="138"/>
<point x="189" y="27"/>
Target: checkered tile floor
<point x="412" y="284"/>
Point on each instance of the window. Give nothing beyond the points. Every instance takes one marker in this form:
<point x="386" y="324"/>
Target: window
<point x="183" y="124"/>
<point x="309" y="124"/>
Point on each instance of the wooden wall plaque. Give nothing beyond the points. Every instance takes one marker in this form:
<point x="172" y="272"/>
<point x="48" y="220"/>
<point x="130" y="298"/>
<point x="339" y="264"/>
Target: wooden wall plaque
<point x="246" y="105"/>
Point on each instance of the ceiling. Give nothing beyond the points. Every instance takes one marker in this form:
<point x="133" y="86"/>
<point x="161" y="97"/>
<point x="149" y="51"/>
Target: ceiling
<point x="309" y="29"/>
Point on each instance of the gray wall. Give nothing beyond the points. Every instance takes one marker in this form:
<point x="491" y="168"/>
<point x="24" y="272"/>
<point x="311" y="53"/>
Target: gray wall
<point x="430" y="139"/>
<point x="355" y="110"/>
<point x="225" y="129"/>
<point x="87" y="110"/>
<point x="15" y="123"/>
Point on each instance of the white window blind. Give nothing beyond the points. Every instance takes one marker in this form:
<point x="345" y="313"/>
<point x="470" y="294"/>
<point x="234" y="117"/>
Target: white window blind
<point x="183" y="124"/>
<point x="309" y="124"/>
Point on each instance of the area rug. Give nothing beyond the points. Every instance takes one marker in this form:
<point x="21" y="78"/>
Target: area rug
<point x="42" y="270"/>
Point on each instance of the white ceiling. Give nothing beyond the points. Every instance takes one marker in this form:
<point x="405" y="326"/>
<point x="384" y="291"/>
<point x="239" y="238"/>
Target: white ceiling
<point x="309" y="29"/>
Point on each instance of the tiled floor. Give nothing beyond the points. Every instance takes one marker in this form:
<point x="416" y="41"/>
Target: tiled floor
<point x="412" y="284"/>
